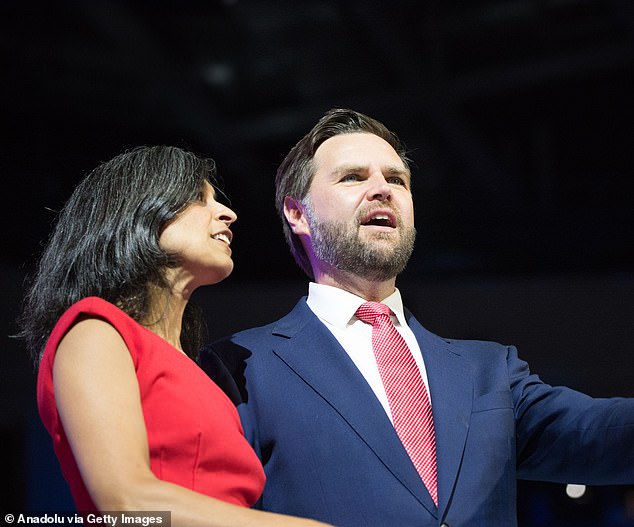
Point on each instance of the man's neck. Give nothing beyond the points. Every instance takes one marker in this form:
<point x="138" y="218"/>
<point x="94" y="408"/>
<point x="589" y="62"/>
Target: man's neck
<point x="373" y="291"/>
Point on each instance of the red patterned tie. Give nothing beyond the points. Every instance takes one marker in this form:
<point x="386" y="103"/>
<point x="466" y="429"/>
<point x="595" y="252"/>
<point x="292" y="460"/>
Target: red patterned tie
<point x="406" y="392"/>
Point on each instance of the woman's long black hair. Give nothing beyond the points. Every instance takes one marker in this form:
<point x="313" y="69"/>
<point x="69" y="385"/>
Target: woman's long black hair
<point x="106" y="241"/>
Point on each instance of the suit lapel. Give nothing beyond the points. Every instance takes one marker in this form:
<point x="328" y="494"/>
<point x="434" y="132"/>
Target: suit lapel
<point x="451" y="388"/>
<point x="314" y="354"/>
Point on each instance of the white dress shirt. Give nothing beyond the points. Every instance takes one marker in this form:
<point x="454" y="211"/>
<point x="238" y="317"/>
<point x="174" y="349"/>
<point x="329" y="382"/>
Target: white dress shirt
<point x="336" y="308"/>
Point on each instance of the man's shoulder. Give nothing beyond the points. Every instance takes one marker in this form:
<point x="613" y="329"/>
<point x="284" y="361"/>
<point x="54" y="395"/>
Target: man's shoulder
<point x="460" y="346"/>
<point x="476" y="346"/>
<point x="254" y="335"/>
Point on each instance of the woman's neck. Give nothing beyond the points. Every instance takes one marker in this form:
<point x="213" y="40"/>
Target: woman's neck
<point x="166" y="316"/>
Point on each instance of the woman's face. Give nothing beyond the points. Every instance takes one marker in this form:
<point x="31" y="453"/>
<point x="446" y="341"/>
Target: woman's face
<point x="200" y="237"/>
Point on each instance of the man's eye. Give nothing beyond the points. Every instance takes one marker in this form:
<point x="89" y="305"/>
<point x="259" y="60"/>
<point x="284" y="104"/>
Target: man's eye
<point x="350" y="177"/>
<point x="395" y="180"/>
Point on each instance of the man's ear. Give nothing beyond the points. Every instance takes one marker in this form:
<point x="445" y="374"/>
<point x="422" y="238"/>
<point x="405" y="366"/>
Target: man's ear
<point x="294" y="212"/>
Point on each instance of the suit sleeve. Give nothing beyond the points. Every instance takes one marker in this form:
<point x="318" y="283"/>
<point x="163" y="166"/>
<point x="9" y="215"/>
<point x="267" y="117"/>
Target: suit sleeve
<point x="569" y="437"/>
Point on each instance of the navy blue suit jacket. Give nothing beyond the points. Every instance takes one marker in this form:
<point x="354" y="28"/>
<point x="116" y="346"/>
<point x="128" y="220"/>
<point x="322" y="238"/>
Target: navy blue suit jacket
<point x="331" y="453"/>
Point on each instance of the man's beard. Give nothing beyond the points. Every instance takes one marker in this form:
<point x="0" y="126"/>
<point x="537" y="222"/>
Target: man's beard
<point x="338" y="244"/>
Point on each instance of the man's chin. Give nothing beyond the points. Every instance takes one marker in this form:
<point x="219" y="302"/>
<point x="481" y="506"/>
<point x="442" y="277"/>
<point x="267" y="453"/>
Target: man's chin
<point x="381" y="239"/>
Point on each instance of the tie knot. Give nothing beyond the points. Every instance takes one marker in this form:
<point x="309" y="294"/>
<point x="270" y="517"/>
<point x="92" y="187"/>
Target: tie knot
<point x="368" y="311"/>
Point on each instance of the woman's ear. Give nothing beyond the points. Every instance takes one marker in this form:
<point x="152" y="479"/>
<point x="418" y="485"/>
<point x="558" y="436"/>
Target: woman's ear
<point x="294" y="213"/>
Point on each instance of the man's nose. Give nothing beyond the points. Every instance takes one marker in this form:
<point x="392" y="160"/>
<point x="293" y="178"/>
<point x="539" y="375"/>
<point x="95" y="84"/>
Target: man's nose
<point x="378" y="187"/>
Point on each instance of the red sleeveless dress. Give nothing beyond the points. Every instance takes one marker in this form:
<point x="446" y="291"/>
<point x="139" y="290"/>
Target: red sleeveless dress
<point x="194" y="432"/>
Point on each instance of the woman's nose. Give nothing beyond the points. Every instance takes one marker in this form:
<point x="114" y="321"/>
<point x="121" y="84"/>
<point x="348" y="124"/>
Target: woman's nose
<point x="226" y="215"/>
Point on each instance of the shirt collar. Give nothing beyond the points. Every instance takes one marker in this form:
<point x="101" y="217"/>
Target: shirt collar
<point x="337" y="306"/>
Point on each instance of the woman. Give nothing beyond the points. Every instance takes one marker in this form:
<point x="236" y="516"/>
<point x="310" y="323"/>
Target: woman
<point x="136" y="425"/>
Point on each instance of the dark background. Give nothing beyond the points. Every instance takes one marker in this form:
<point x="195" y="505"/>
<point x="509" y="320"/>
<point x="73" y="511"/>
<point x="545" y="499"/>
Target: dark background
<point x="518" y="115"/>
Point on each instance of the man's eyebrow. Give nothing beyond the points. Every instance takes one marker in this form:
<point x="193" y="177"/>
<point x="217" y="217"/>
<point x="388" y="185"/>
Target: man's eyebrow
<point x="392" y="170"/>
<point x="344" y="169"/>
<point x="397" y="171"/>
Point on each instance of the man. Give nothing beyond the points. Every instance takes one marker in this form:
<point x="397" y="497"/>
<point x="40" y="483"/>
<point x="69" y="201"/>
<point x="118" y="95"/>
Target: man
<point x="318" y="396"/>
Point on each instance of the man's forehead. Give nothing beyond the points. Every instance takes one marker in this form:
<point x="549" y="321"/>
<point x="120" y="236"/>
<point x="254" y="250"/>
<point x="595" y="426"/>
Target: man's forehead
<point x="357" y="150"/>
